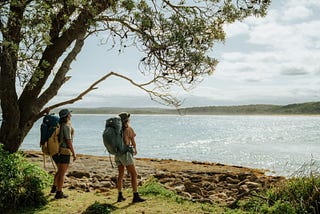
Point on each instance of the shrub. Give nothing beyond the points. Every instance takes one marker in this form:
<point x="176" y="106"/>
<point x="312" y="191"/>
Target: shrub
<point x="21" y="182"/>
<point x="153" y="187"/>
<point x="296" y="195"/>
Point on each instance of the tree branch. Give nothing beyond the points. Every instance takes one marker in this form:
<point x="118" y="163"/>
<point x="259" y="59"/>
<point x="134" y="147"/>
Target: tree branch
<point x="165" y="97"/>
<point x="60" y="77"/>
<point x="59" y="45"/>
<point x="79" y="97"/>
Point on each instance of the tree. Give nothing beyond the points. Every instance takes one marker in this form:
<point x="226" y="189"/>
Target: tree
<point x="39" y="37"/>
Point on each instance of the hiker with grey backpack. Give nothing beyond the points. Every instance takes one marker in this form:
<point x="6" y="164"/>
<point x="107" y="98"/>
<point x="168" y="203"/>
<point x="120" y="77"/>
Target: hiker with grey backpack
<point x="119" y="139"/>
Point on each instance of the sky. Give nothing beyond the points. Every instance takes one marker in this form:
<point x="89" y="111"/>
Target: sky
<point x="270" y="60"/>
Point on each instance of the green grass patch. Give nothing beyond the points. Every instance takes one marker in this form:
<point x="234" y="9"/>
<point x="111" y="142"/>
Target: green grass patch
<point x="153" y="187"/>
<point x="158" y="200"/>
<point x="295" y="195"/>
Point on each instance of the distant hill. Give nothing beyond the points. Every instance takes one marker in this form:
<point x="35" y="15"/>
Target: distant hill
<point x="311" y="108"/>
<point x="303" y="108"/>
<point x="117" y="110"/>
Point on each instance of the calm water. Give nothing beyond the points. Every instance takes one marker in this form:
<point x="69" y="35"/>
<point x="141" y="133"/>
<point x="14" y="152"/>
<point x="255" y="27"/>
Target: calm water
<point x="281" y="144"/>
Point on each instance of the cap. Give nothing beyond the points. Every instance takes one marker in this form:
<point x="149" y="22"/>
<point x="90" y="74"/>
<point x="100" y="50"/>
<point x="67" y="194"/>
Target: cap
<point x="64" y="113"/>
<point x="124" y="116"/>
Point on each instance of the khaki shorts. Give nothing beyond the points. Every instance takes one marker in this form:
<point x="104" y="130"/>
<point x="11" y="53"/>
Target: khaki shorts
<point x="125" y="159"/>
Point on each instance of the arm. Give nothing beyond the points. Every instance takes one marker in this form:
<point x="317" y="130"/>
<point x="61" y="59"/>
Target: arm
<point x="134" y="146"/>
<point x="70" y="145"/>
<point x="67" y="133"/>
<point x="133" y="141"/>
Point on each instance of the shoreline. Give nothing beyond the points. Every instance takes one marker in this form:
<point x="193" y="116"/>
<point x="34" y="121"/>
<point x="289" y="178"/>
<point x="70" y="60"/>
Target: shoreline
<point x="199" y="181"/>
<point x="174" y="163"/>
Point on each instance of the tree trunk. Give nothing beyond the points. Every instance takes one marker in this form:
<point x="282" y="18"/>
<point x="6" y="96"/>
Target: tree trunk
<point x="12" y="131"/>
<point x="12" y="137"/>
<point x="10" y="134"/>
<point x="9" y="98"/>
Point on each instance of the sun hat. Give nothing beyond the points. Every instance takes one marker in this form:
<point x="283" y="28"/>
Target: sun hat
<point x="64" y="112"/>
<point x="124" y="116"/>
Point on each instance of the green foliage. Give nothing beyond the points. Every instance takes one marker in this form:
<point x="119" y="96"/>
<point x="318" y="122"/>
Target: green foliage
<point x="128" y="5"/>
<point x="98" y="208"/>
<point x="21" y="182"/>
<point x="167" y="31"/>
<point x="39" y="37"/>
<point x="297" y="195"/>
<point x="305" y="108"/>
<point x="153" y="187"/>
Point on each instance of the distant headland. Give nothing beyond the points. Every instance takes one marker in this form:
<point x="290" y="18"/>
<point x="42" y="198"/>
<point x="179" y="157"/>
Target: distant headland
<point x="309" y="108"/>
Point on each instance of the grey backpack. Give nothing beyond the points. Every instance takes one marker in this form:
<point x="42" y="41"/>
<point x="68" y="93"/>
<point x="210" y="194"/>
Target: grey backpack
<point x="113" y="138"/>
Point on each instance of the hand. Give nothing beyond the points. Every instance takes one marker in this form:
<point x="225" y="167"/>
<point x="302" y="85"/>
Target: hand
<point x="74" y="157"/>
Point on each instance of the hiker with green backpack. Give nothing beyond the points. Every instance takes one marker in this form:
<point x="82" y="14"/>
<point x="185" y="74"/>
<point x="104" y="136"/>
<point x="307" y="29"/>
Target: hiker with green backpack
<point x="126" y="160"/>
<point x="119" y="140"/>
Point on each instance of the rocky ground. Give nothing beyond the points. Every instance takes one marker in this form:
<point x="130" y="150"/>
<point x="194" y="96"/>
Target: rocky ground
<point x="198" y="181"/>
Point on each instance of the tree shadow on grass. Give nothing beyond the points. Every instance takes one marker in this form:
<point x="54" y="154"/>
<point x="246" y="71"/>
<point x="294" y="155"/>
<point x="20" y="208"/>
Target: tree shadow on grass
<point x="99" y="208"/>
<point x="30" y="209"/>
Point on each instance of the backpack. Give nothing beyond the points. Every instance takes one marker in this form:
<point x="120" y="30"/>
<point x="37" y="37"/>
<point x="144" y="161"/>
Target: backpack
<point x="49" y="135"/>
<point x="112" y="137"/>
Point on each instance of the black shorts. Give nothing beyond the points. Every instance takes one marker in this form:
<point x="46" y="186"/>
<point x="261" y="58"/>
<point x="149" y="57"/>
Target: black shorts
<point x="58" y="158"/>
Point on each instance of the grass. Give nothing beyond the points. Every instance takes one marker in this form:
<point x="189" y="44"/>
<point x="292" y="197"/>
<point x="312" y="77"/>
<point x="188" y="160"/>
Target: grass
<point x="80" y="202"/>
<point x="282" y="199"/>
<point x="159" y="200"/>
<point x="296" y="195"/>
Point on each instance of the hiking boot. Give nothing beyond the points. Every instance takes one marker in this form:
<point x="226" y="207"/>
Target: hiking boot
<point x="60" y="195"/>
<point x="120" y="197"/>
<point x="136" y="198"/>
<point x="53" y="189"/>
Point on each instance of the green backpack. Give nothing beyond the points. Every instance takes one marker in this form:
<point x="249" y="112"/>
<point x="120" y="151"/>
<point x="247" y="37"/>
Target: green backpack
<point x="113" y="138"/>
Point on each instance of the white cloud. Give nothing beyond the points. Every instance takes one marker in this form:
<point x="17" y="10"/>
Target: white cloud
<point x="236" y="29"/>
<point x="307" y="3"/>
<point x="275" y="59"/>
<point x="296" y="13"/>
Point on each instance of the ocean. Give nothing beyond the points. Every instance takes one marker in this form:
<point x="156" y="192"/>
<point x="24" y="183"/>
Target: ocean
<point x="283" y="145"/>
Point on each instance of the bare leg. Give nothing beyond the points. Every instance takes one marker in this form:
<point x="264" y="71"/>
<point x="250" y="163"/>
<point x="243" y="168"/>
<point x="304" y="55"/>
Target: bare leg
<point x="55" y="181"/>
<point x="134" y="182"/>
<point x="120" y="178"/>
<point x="120" y="183"/>
<point x="62" y="169"/>
<point x="134" y="177"/>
